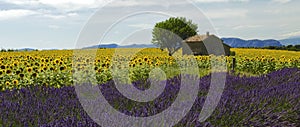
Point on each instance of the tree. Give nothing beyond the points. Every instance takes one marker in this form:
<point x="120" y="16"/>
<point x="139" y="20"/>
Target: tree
<point x="170" y="33"/>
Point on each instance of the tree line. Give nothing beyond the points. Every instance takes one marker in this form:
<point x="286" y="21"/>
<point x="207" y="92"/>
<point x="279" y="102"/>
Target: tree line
<point x="288" y="47"/>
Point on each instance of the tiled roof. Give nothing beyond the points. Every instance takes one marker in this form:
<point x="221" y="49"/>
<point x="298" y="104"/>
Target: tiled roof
<point x="196" y="38"/>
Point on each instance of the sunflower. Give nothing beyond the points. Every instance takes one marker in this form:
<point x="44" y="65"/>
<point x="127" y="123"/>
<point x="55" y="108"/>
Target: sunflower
<point x="62" y="68"/>
<point x="146" y="59"/>
<point x="29" y="69"/>
<point x="2" y="67"/>
<point x="8" y="71"/>
<point x="107" y="64"/>
<point x="15" y="64"/>
<point x="15" y="82"/>
<point x="34" y="75"/>
<point x="7" y="83"/>
<point x="36" y="64"/>
<point x="151" y="63"/>
<point x="157" y="64"/>
<point x="57" y="61"/>
<point x="1" y="72"/>
<point x="18" y="72"/>
<point x="21" y="75"/>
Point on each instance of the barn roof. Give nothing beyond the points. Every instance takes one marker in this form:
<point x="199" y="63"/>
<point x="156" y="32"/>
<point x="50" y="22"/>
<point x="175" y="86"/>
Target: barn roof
<point x="196" y="38"/>
<point x="200" y="38"/>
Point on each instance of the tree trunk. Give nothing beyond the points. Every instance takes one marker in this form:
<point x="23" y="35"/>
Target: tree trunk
<point x="172" y="52"/>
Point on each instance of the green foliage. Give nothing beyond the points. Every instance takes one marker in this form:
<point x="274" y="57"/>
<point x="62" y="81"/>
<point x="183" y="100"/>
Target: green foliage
<point x="232" y="53"/>
<point x="169" y="34"/>
<point x="288" y="47"/>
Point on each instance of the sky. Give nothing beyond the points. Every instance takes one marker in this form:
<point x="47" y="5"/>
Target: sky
<point x="69" y="24"/>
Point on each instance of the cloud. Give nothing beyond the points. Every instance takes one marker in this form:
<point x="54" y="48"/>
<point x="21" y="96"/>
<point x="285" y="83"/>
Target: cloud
<point x="291" y="34"/>
<point x="246" y="27"/>
<point x="72" y="14"/>
<point x="22" y="2"/>
<point x="75" y="5"/>
<point x="282" y="1"/>
<point x="122" y="3"/>
<point x="51" y="9"/>
<point x="15" y="13"/>
<point x="219" y="1"/>
<point x="63" y="5"/>
<point x="54" y="16"/>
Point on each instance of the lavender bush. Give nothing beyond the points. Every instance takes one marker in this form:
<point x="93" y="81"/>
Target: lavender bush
<point x="267" y="100"/>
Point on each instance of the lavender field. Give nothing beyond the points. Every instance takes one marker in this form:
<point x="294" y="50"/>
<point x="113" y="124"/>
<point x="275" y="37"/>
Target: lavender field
<point x="267" y="100"/>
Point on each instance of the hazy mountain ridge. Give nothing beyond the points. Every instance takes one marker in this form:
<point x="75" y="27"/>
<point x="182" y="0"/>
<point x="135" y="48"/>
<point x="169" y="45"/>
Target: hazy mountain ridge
<point x="122" y="46"/>
<point x="237" y="42"/>
<point x="26" y="49"/>
<point x="233" y="42"/>
<point x="291" y="41"/>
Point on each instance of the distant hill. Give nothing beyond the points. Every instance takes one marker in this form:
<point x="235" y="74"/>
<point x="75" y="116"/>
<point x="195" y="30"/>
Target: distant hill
<point x="52" y="49"/>
<point x="26" y="49"/>
<point x="237" y="42"/>
<point x="102" y="46"/>
<point x="122" y="46"/>
<point x="291" y="41"/>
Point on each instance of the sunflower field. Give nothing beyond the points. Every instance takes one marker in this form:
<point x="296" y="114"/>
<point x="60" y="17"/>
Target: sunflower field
<point x="37" y="87"/>
<point x="263" y="61"/>
<point x="57" y="67"/>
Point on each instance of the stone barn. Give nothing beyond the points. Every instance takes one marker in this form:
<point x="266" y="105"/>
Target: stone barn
<point x="205" y="45"/>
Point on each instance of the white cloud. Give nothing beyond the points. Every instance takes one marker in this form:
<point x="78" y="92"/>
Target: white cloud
<point x="246" y="27"/>
<point x="44" y="8"/>
<point x="72" y="5"/>
<point x="59" y="16"/>
<point x="282" y="1"/>
<point x="63" y="5"/>
<point x="215" y="1"/>
<point x="22" y="2"/>
<point x="75" y="5"/>
<point x="72" y="14"/>
<point x="122" y="3"/>
<point x="54" y="16"/>
<point x="130" y="3"/>
<point x="291" y="34"/>
<point x="15" y="13"/>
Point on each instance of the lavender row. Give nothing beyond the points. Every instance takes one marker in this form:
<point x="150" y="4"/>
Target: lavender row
<point x="268" y="100"/>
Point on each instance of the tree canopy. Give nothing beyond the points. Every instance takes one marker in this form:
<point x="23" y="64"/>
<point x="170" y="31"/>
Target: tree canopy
<point x="170" y="33"/>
